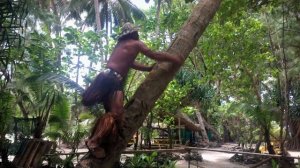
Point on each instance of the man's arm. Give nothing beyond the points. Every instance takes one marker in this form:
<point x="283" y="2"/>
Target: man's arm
<point x="141" y="67"/>
<point x="159" y="56"/>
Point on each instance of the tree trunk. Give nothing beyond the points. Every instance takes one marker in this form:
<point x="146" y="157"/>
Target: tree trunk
<point x="203" y="132"/>
<point x="294" y="142"/>
<point x="97" y="15"/>
<point x="226" y="134"/>
<point x="150" y="90"/>
<point x="268" y="140"/>
<point x="204" y="136"/>
<point x="258" y="143"/>
<point x="157" y="18"/>
<point x="192" y="126"/>
<point x="214" y="132"/>
<point x="149" y="130"/>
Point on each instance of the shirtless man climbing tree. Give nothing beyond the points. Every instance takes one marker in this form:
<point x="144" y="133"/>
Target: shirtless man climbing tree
<point x="107" y="88"/>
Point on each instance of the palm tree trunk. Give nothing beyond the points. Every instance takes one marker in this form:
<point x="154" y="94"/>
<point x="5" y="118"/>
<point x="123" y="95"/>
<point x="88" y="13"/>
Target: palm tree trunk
<point x="97" y="15"/>
<point x="268" y="140"/>
<point x="156" y="82"/>
<point x="157" y="17"/>
<point x="107" y="33"/>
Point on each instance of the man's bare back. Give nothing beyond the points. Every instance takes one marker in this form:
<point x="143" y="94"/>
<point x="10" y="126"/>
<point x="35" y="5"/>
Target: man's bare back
<point x="124" y="55"/>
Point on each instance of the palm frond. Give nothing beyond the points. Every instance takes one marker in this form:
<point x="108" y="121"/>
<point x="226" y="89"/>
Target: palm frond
<point x="61" y="109"/>
<point x="118" y="13"/>
<point x="60" y="79"/>
<point x="75" y="8"/>
<point x="129" y="7"/>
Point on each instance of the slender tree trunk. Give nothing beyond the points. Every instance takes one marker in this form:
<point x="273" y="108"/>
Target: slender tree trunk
<point x="203" y="132"/>
<point x="150" y="90"/>
<point x="204" y="136"/>
<point x="97" y="15"/>
<point x="98" y="29"/>
<point x="294" y="142"/>
<point x="226" y="134"/>
<point x="136" y="142"/>
<point x="258" y="143"/>
<point x="213" y="131"/>
<point x="77" y="76"/>
<point x="268" y="140"/>
<point x="149" y="130"/>
<point x="107" y="33"/>
<point x="158" y="17"/>
<point x="285" y="77"/>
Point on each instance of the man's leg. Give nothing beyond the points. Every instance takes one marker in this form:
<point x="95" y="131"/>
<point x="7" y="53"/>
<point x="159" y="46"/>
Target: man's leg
<point x="117" y="104"/>
<point x="107" y="125"/>
<point x="100" y="129"/>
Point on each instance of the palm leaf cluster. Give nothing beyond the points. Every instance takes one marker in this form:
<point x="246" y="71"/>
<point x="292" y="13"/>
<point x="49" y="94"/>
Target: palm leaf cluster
<point x="111" y="11"/>
<point x="60" y="79"/>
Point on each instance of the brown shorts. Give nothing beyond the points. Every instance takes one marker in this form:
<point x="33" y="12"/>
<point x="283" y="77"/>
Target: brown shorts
<point x="102" y="88"/>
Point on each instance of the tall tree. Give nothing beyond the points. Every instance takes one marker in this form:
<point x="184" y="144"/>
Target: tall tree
<point x="155" y="83"/>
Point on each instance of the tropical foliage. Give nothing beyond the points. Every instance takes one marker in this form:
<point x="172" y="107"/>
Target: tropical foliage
<point x="244" y="71"/>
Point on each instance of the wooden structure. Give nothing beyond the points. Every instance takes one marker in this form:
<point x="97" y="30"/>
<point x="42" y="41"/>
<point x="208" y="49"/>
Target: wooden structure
<point x="31" y="153"/>
<point x="12" y="33"/>
<point x="11" y="17"/>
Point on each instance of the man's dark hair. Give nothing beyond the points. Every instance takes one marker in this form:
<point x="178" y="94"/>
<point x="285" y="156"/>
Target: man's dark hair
<point x="133" y="36"/>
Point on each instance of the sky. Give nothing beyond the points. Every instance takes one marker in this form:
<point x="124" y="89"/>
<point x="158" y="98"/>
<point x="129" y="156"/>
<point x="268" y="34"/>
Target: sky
<point x="142" y="4"/>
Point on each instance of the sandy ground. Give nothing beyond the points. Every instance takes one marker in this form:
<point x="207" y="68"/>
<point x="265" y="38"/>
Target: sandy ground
<point x="220" y="160"/>
<point x="211" y="160"/>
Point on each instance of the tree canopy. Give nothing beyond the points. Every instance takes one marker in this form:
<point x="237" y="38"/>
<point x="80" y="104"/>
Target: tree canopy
<point x="242" y="75"/>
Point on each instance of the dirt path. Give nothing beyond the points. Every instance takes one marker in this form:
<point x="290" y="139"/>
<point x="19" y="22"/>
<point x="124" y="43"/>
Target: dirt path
<point x="218" y="160"/>
<point x="211" y="160"/>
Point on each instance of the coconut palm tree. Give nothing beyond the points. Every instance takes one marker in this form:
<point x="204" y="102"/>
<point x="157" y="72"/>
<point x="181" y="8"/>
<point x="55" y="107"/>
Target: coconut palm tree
<point x="110" y="11"/>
